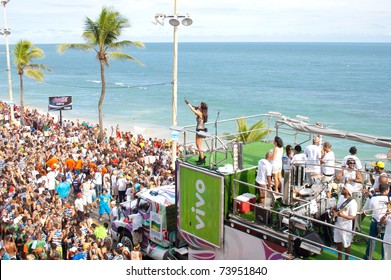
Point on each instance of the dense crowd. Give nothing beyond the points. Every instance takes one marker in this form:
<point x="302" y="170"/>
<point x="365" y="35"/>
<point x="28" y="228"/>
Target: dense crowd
<point x="46" y="166"/>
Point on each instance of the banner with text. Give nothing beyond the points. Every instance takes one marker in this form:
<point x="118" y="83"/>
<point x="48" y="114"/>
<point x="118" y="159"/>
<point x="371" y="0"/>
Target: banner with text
<point x="201" y="204"/>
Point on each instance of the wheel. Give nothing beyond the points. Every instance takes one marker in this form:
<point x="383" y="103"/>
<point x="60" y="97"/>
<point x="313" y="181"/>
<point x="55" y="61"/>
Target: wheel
<point x="126" y="239"/>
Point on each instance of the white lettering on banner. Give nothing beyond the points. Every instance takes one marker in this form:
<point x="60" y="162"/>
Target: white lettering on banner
<point x="200" y="187"/>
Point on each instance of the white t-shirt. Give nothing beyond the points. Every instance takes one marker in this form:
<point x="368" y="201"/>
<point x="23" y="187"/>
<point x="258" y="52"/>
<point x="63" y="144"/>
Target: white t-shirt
<point x="264" y="170"/>
<point x="313" y="154"/>
<point x="351" y="210"/>
<point x="379" y="205"/>
<point x="329" y="160"/>
<point x="299" y="159"/>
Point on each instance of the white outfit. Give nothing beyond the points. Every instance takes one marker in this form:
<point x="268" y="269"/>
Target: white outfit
<point x="121" y="184"/>
<point x="379" y="204"/>
<point x="129" y="195"/>
<point x="51" y="176"/>
<point x="299" y="159"/>
<point x="376" y="184"/>
<point x="87" y="194"/>
<point x="277" y="162"/>
<point x="329" y="160"/>
<point x="313" y="154"/>
<point x="286" y="161"/>
<point x="79" y="204"/>
<point x="341" y="235"/>
<point x="264" y="170"/>
<point x="137" y="220"/>
<point x="387" y="238"/>
<point x="352" y="175"/>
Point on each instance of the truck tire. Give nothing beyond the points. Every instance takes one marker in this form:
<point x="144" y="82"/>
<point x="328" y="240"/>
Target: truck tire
<point x="126" y="239"/>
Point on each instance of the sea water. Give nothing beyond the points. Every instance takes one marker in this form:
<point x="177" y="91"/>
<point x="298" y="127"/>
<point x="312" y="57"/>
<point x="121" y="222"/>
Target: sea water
<point x="345" y="84"/>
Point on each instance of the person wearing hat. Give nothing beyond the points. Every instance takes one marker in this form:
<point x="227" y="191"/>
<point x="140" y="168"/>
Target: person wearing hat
<point x="378" y="172"/>
<point x="124" y="251"/>
<point x="345" y="213"/>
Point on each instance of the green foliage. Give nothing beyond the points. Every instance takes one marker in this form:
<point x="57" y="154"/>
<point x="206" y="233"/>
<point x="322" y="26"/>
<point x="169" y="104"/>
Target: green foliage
<point x="24" y="52"/>
<point x="102" y="35"/>
<point x="250" y="133"/>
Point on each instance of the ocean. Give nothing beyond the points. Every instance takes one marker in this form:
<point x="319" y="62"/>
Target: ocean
<point x="347" y="85"/>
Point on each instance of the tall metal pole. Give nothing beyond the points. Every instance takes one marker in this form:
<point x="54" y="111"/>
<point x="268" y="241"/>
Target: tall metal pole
<point x="174" y="89"/>
<point x="6" y="33"/>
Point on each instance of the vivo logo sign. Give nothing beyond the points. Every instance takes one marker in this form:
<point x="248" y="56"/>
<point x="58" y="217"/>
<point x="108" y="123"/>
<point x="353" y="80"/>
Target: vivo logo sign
<point x="200" y="187"/>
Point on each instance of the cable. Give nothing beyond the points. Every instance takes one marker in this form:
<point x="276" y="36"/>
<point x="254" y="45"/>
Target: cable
<point x="111" y="87"/>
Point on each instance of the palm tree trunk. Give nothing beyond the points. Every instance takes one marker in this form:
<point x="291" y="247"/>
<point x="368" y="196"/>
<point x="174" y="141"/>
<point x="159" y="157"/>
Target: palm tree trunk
<point x="21" y="99"/>
<point x="102" y="97"/>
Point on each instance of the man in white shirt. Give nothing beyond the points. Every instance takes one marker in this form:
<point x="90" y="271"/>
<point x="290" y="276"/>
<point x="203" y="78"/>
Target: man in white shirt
<point x="314" y="154"/>
<point x="328" y="161"/>
<point x="264" y="176"/>
<point x="51" y="177"/>
<point x="378" y="206"/>
<point x="137" y="226"/>
<point x="298" y="157"/>
<point x="346" y="211"/>
<point x="352" y="155"/>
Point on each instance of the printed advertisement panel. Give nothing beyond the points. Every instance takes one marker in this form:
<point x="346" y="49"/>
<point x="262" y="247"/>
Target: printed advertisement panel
<point x="57" y="103"/>
<point x="200" y="204"/>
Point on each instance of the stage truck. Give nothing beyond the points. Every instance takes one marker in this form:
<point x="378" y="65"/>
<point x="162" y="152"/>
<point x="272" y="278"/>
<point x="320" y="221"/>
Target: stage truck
<point x="211" y="212"/>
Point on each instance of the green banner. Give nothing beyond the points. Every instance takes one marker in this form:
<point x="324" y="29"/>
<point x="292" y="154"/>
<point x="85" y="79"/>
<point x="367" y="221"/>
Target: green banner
<point x="200" y="204"/>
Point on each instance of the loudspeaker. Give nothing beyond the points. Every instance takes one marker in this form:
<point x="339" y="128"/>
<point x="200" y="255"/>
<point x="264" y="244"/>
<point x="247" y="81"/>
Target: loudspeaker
<point x="305" y="249"/>
<point x="261" y="216"/>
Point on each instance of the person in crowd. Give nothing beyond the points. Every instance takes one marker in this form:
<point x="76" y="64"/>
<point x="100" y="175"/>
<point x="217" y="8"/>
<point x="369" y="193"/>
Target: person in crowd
<point x="327" y="161"/>
<point x="201" y="112"/>
<point x="352" y="155"/>
<point x="264" y="177"/>
<point x="287" y="158"/>
<point x="104" y="199"/>
<point x="350" y="175"/>
<point x="135" y="254"/>
<point x="276" y="162"/>
<point x="298" y="157"/>
<point x="378" y="205"/>
<point x="137" y="226"/>
<point x="4" y="256"/>
<point x="376" y="173"/>
<point x="386" y="220"/>
<point x="345" y="213"/>
<point x="313" y="153"/>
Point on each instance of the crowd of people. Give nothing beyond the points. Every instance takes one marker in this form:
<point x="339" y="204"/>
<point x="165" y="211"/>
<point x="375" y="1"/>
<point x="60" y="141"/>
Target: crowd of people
<point x="318" y="163"/>
<point x="54" y="175"/>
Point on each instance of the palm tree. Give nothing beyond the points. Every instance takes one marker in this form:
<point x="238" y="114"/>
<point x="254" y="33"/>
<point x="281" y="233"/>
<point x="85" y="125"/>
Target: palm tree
<point x="251" y="134"/>
<point x="24" y="53"/>
<point x="101" y="36"/>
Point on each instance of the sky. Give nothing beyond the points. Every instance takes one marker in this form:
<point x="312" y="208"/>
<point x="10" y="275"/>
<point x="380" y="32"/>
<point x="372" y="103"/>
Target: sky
<point x="61" y="21"/>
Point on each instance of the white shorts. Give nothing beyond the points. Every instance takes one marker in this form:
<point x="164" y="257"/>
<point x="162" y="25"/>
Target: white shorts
<point x="344" y="237"/>
<point x="276" y="169"/>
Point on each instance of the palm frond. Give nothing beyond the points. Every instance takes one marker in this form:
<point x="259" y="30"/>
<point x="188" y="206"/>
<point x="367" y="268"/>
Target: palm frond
<point x="123" y="56"/>
<point x="81" y="47"/>
<point x="125" y="44"/>
<point x="37" y="75"/>
<point x="38" y="67"/>
<point x="251" y="134"/>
